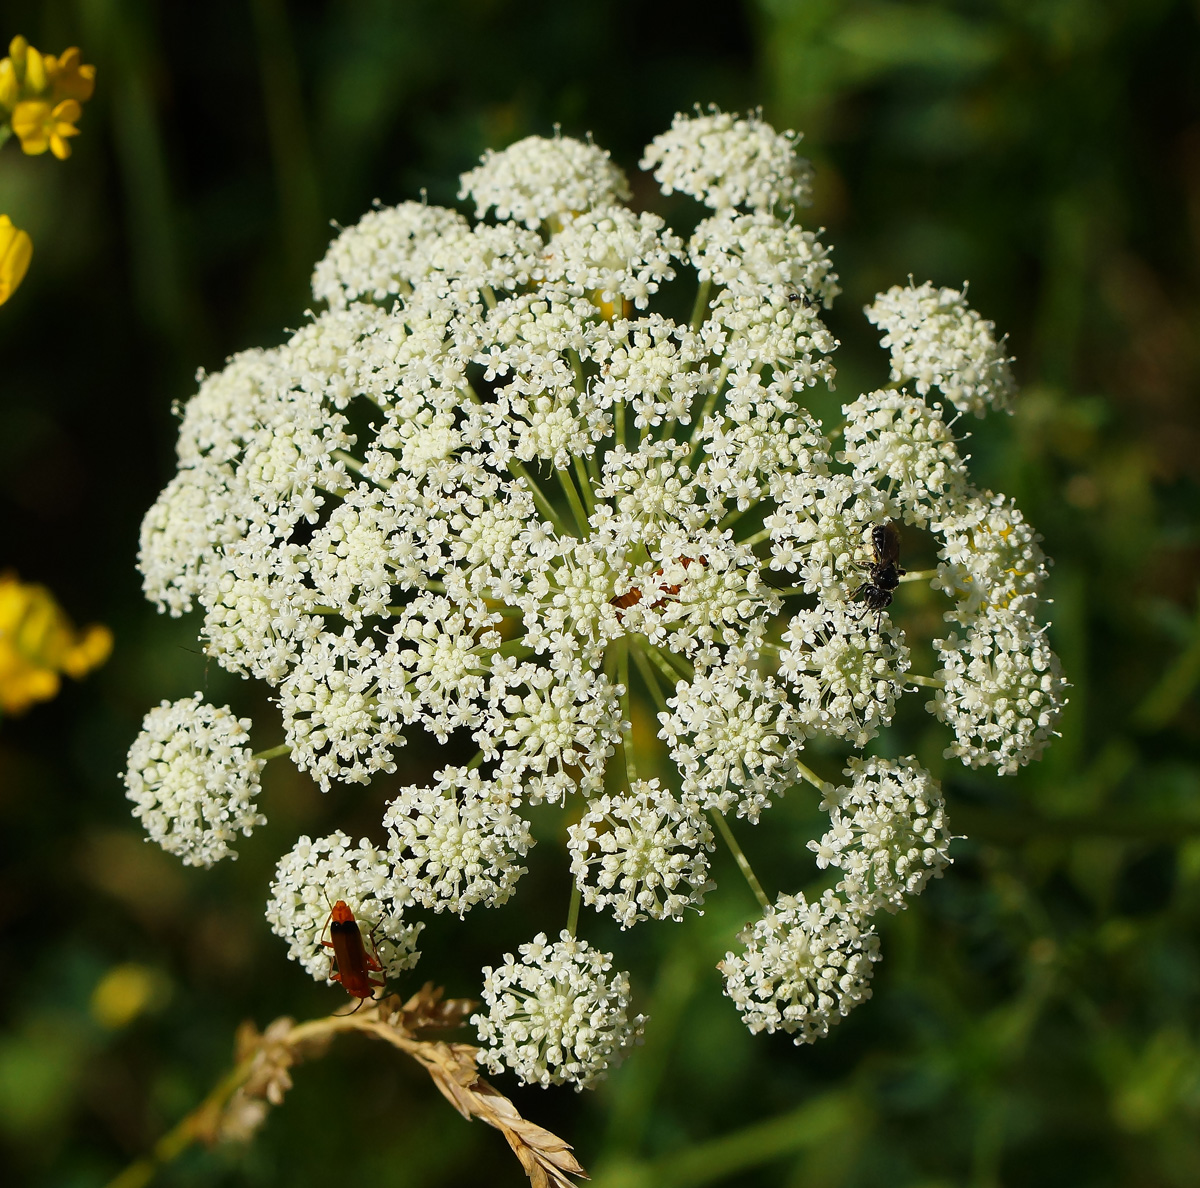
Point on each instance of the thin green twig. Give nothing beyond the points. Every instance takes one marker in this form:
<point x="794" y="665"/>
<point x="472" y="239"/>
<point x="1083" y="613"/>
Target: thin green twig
<point x="573" y="910"/>
<point x="274" y="752"/>
<point x="740" y="858"/>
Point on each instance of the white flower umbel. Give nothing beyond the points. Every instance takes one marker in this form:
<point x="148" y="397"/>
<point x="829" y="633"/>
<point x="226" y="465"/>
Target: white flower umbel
<point x="536" y="180"/>
<point x="384" y="254"/>
<point x="847" y="668"/>
<point x="804" y="967"/>
<point x="642" y="855"/>
<point x="1003" y="691"/>
<point x="735" y="737"/>
<point x="723" y="160"/>
<point x="314" y="875"/>
<point x="457" y="843"/>
<point x="991" y="558"/>
<point x="888" y="833"/>
<point x="497" y="494"/>
<point x="193" y="779"/>
<point x="559" y="1014"/>
<point x="939" y="341"/>
<point x="614" y="254"/>
<point x="898" y="439"/>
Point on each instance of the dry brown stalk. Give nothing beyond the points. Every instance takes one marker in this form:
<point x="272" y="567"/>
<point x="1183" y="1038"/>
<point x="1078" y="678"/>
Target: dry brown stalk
<point x="240" y="1102"/>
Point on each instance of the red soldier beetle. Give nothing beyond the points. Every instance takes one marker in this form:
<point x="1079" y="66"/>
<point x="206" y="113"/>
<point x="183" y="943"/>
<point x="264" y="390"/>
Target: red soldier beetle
<point x="354" y="964"/>
<point x="633" y="596"/>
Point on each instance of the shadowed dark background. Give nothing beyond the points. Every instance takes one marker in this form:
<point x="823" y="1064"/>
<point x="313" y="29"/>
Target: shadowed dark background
<point x="1035" y="1017"/>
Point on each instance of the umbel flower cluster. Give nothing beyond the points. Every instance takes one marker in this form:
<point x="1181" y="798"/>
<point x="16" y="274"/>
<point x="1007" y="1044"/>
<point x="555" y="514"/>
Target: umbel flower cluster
<point x="501" y="490"/>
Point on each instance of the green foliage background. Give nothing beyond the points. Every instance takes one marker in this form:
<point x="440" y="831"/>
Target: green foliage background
<point x="1035" y="1018"/>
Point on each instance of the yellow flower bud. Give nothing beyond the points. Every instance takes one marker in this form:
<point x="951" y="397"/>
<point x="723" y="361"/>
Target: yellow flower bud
<point x="10" y="88"/>
<point x="35" y="72"/>
<point x="17" y="49"/>
<point x="16" y="250"/>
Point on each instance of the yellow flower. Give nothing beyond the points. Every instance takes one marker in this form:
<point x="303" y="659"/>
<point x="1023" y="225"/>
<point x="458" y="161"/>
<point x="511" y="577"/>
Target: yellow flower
<point x="29" y="74"/>
<point x="43" y="127"/>
<point x="70" y="78"/>
<point x="37" y="642"/>
<point x="16" y="249"/>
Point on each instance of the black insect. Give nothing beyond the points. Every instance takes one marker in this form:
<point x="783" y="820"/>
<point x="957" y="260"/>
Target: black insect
<point x="800" y="299"/>
<point x="884" y="572"/>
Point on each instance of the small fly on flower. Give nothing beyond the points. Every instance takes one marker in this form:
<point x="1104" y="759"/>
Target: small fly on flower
<point x="354" y="964"/>
<point x="884" y="572"/>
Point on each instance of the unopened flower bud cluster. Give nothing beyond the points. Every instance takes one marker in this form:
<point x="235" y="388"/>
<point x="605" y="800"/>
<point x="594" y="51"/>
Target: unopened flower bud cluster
<point x="493" y="494"/>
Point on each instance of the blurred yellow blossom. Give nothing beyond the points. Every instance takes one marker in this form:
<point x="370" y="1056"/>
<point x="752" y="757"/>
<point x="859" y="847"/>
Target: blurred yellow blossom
<point x="16" y="249"/>
<point x="41" y="127"/>
<point x="43" y="94"/>
<point x="125" y="992"/>
<point x="40" y="97"/>
<point x="38" y="642"/>
<point x="69" y="77"/>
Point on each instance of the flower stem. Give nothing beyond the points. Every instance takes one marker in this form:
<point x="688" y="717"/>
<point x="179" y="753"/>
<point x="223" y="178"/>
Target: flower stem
<point x="927" y="682"/>
<point x="730" y="518"/>
<point x="741" y="859"/>
<point x="585" y="484"/>
<point x="497" y="607"/>
<point x="543" y="504"/>
<point x="761" y="535"/>
<point x="710" y="405"/>
<point x="573" y="910"/>
<point x="572" y="494"/>
<point x="352" y="463"/>
<point x="918" y="575"/>
<point x="811" y="777"/>
<point x="274" y="752"/>
<point x="671" y="675"/>
<point x="650" y="677"/>
<point x="626" y="715"/>
<point x="701" y="306"/>
<point x="673" y="665"/>
<point x="515" y="647"/>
